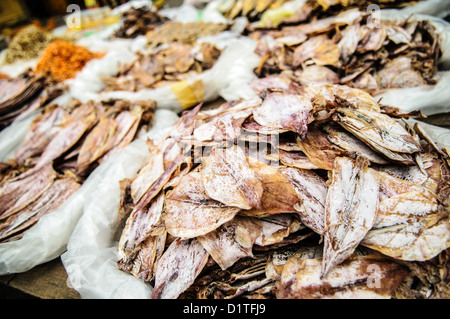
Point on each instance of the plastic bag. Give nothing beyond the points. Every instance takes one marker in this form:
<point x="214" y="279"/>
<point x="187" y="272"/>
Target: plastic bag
<point x="90" y="260"/>
<point x="48" y="238"/>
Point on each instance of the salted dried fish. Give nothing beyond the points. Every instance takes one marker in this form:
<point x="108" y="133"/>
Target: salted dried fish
<point x="178" y="267"/>
<point x="350" y="210"/>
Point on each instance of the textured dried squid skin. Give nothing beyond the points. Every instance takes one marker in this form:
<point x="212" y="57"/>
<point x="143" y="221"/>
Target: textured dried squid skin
<point x="365" y="277"/>
<point x="350" y="211"/>
<point x="178" y="267"/>
<point x="190" y="212"/>
<point x="228" y="178"/>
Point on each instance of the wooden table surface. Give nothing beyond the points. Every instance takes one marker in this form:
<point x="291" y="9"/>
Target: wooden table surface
<point x="50" y="281"/>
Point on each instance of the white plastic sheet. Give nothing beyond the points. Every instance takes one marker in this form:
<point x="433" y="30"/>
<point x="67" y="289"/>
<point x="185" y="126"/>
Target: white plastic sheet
<point x="91" y="257"/>
<point x="48" y="238"/>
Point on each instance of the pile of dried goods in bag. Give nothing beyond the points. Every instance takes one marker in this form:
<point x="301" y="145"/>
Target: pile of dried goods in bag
<point x="24" y="94"/>
<point x="257" y="10"/>
<point x="61" y="148"/>
<point x="27" y="44"/>
<point x="138" y="21"/>
<point x="352" y="50"/>
<point x="63" y="60"/>
<point x="189" y="32"/>
<point x="310" y="192"/>
<point x="169" y="64"/>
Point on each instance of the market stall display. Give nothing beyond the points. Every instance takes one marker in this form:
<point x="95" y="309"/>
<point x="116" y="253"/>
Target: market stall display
<point x="348" y="49"/>
<point x="300" y="183"/>
<point x="209" y="197"/>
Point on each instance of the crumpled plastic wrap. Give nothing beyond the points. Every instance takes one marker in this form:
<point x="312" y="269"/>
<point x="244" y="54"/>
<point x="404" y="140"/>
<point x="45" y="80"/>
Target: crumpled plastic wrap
<point x="48" y="238"/>
<point x="90" y="260"/>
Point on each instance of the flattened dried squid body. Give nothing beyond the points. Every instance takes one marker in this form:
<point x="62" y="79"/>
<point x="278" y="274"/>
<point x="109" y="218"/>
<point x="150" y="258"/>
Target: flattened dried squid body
<point x="232" y="241"/>
<point x="372" y="277"/>
<point x="229" y="179"/>
<point x="178" y="267"/>
<point x="190" y="212"/>
<point x="350" y="211"/>
<point x="283" y="110"/>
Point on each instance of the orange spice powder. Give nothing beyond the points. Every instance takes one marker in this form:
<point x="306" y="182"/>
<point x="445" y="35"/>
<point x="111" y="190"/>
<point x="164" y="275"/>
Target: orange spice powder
<point x="62" y="60"/>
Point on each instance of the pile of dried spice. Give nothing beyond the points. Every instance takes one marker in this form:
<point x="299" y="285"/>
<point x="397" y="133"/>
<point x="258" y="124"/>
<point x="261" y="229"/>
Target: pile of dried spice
<point x="62" y="60"/>
<point x="27" y="44"/>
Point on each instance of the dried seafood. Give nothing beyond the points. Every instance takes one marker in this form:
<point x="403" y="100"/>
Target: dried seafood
<point x="188" y="33"/>
<point x="177" y="62"/>
<point x="27" y="197"/>
<point x="60" y="150"/>
<point x="350" y="49"/>
<point x="63" y="60"/>
<point x="138" y="21"/>
<point x="24" y="94"/>
<point x="236" y="203"/>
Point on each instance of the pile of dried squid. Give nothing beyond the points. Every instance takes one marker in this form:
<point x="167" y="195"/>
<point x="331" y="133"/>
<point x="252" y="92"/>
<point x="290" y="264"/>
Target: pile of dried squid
<point x="353" y="49"/>
<point x="164" y="66"/>
<point x="63" y="145"/>
<point x="307" y="192"/>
